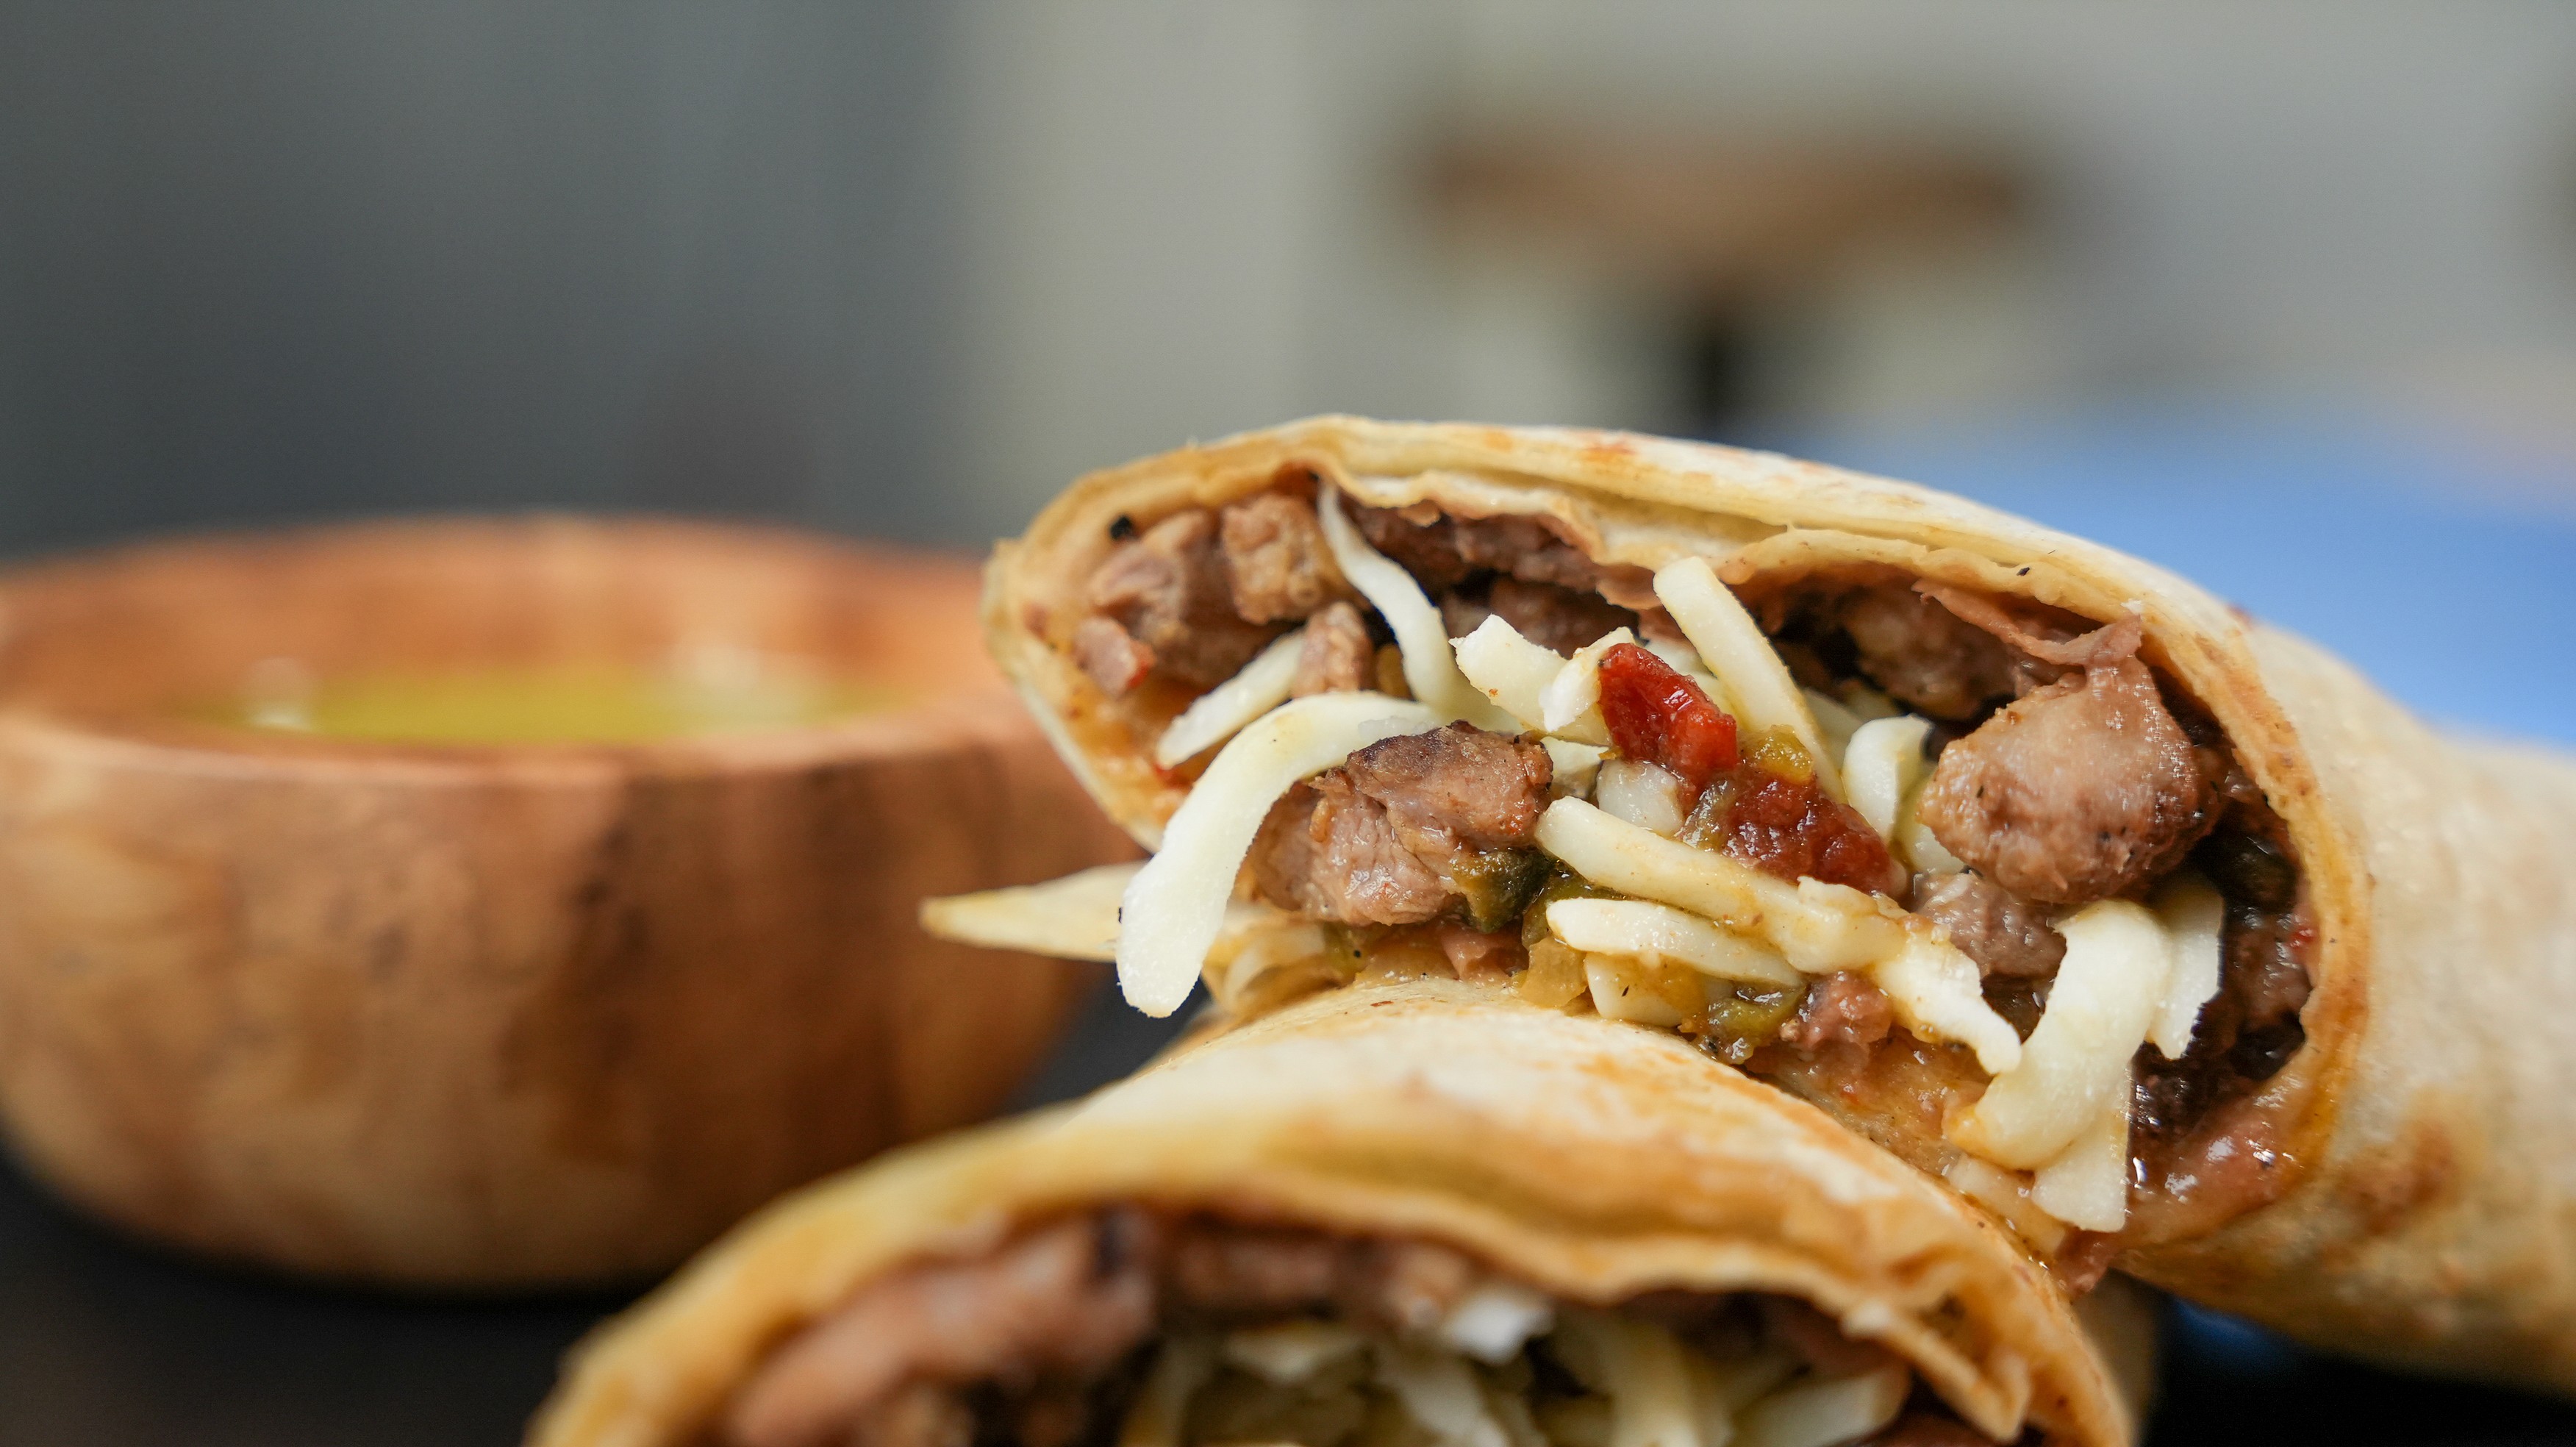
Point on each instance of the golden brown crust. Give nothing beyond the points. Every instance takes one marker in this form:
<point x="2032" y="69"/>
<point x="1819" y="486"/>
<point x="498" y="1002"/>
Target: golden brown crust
<point x="1593" y="1159"/>
<point x="2428" y="1206"/>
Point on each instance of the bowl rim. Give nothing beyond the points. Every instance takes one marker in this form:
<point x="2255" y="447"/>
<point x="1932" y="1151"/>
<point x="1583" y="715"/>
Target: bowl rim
<point x="938" y="722"/>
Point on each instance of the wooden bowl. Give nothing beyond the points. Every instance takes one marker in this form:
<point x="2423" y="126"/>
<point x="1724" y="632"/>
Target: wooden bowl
<point x="498" y="1017"/>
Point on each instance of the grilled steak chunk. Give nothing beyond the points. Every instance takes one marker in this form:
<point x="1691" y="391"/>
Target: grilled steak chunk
<point x="1275" y="560"/>
<point x="1408" y="831"/>
<point x="2080" y="790"/>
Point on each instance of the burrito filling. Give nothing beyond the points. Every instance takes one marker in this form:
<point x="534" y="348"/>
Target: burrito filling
<point x="1965" y="870"/>
<point x="1146" y="1330"/>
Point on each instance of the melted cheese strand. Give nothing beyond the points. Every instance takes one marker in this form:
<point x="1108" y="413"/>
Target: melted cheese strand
<point x="1662" y="934"/>
<point x="1508" y="669"/>
<point x="1176" y="904"/>
<point x="1881" y="765"/>
<point x="1430" y="669"/>
<point x="2194" y="918"/>
<point x="1734" y="648"/>
<point x="2088" y="1185"/>
<point x="2075" y="1065"/>
<point x="1223" y="711"/>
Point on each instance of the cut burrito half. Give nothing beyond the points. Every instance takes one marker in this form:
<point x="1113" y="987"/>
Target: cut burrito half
<point x="2152" y="929"/>
<point x="1420" y="1217"/>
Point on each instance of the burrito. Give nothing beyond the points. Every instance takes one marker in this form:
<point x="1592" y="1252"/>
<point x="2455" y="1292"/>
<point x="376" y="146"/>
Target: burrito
<point x="2155" y="931"/>
<point x="1380" y="1217"/>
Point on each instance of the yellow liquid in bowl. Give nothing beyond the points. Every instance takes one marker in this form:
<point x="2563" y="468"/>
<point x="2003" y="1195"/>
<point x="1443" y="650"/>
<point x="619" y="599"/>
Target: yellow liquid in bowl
<point x="553" y="706"/>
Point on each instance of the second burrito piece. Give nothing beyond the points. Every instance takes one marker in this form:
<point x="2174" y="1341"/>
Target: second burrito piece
<point x="2152" y="929"/>
<point x="1427" y="1219"/>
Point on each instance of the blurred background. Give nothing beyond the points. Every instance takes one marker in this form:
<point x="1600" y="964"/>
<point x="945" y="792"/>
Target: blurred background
<point x="904" y="268"/>
<point x="2281" y="294"/>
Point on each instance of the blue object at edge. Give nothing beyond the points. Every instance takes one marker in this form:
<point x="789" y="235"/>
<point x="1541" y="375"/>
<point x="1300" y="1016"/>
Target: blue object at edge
<point x="2436" y="567"/>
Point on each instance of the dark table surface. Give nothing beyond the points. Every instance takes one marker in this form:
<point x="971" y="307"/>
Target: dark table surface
<point x="107" y="1344"/>
<point x="2443" y="571"/>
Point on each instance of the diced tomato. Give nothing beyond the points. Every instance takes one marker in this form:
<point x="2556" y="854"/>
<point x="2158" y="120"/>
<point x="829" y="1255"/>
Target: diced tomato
<point x="1657" y="714"/>
<point x="1774" y="818"/>
<point x="1790" y="828"/>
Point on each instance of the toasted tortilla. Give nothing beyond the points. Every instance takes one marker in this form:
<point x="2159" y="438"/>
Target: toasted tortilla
<point x="2427" y="1153"/>
<point x="1594" y="1160"/>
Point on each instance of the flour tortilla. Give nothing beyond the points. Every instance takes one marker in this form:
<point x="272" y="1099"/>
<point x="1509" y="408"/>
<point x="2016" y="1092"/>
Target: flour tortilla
<point x="2428" y="1216"/>
<point x="1591" y="1159"/>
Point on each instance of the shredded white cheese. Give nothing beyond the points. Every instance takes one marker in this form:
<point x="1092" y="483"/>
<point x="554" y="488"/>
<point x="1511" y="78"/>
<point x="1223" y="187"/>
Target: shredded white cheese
<point x="1174" y="907"/>
<point x="1722" y="1389"/>
<point x="1430" y="669"/>
<point x="1289" y="1352"/>
<point x="1509" y="669"/>
<point x="1642" y="1383"/>
<point x="1217" y="714"/>
<point x="2194" y="917"/>
<point x="1512" y="1410"/>
<point x="1624" y="989"/>
<point x="1661" y="934"/>
<point x="1646" y="795"/>
<point x="2088" y="1184"/>
<point x="1254" y="940"/>
<point x="1826" y="1412"/>
<point x="1076" y="918"/>
<point x="1881" y="766"/>
<point x="2075" y="1064"/>
<point x="1641" y="1367"/>
<point x="1836" y="723"/>
<point x="1734" y="648"/>
<point x="1576" y="766"/>
<point x="2008" y="1196"/>
<point x="1157" y="1416"/>
<point x="1073" y="918"/>
<point x="1839" y="717"/>
<point x="1439" y="1391"/>
<point x="1620" y="856"/>
<point x="1570" y="705"/>
<point x="1916" y="845"/>
<point x="1494" y="1321"/>
<point x="1817" y="927"/>
<point x="1685" y="661"/>
<point x="1836" y="927"/>
<point x="1938" y="995"/>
